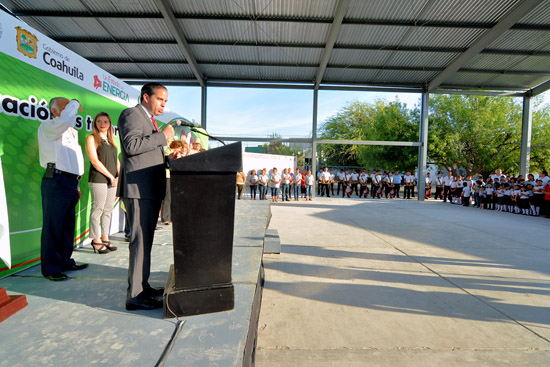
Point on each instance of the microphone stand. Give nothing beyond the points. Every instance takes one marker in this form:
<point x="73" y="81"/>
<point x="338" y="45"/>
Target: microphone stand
<point x="192" y="128"/>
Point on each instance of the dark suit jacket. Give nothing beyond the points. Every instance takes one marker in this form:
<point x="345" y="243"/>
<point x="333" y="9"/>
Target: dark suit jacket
<point x="143" y="171"/>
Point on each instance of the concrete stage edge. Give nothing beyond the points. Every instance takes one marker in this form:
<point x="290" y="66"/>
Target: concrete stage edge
<point x="83" y="321"/>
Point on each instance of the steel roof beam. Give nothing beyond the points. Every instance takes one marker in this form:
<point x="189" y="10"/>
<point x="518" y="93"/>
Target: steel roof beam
<point x="333" y="66"/>
<point x="274" y="18"/>
<point x="341" y="10"/>
<point x="295" y="45"/>
<point x="177" y="33"/>
<point x="541" y="88"/>
<point x="506" y="22"/>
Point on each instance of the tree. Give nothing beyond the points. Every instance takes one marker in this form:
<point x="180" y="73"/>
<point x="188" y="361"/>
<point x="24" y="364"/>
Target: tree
<point x="478" y="133"/>
<point x="377" y="121"/>
<point x="483" y="133"/>
<point x="280" y="148"/>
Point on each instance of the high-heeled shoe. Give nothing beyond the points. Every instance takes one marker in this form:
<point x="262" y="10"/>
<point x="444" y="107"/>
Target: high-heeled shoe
<point x="109" y="246"/>
<point x="102" y="249"/>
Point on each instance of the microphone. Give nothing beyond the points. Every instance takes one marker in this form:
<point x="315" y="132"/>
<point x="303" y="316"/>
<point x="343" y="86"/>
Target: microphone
<point x="185" y="123"/>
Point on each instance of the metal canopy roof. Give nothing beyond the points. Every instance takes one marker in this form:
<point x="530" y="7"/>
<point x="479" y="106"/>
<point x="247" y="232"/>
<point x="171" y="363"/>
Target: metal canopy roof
<point x="417" y="44"/>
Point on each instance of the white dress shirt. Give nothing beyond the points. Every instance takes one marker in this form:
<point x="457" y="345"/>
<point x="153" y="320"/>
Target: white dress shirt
<point x="58" y="142"/>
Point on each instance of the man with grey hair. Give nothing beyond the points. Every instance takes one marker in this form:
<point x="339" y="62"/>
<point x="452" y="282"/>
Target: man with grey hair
<point x="61" y="155"/>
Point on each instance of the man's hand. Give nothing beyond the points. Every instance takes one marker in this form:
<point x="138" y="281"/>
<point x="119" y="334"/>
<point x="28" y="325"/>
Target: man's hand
<point x="79" y="105"/>
<point x="168" y="130"/>
<point x="79" y="194"/>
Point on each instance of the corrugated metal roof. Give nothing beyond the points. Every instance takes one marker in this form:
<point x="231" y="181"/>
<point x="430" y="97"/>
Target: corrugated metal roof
<point x="159" y="51"/>
<point x="534" y="63"/>
<point x="379" y="42"/>
<point x="494" y="62"/>
<point x="383" y="9"/>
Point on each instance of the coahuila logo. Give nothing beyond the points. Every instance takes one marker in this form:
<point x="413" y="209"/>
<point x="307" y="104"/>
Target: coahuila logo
<point x="60" y="62"/>
<point x="111" y="86"/>
<point x="26" y="42"/>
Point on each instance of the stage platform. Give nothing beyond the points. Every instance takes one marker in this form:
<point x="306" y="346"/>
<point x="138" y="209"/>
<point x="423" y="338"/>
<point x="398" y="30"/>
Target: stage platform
<point x="83" y="321"/>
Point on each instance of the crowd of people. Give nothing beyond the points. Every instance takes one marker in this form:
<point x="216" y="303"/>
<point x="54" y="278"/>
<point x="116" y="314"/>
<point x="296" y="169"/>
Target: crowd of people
<point x="302" y="183"/>
<point x="514" y="194"/>
<point x="499" y="192"/>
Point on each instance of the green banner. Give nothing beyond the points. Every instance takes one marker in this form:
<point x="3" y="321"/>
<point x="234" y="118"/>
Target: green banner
<point x="24" y="94"/>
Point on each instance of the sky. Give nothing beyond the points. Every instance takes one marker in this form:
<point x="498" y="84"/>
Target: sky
<point x="261" y="112"/>
<point x="256" y="112"/>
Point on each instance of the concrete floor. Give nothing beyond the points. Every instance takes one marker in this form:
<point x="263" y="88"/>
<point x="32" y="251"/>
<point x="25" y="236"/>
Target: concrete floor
<point x="83" y="321"/>
<point x="405" y="283"/>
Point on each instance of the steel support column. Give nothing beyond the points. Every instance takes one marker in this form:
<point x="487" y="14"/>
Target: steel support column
<point x="423" y="148"/>
<point x="314" y="140"/>
<point x="203" y="106"/>
<point x="526" y="127"/>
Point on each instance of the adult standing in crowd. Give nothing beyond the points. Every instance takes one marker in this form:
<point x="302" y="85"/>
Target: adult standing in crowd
<point x="319" y="182"/>
<point x="355" y="182"/>
<point x="409" y="182"/>
<point x="438" y="186"/>
<point x="340" y="176"/>
<point x="297" y="184"/>
<point x="397" y="179"/>
<point x="286" y="179"/>
<point x="325" y="182"/>
<point x="275" y="184"/>
<point x="241" y="180"/>
<point x="363" y="178"/>
<point x="447" y="181"/>
<point x="61" y="155"/>
<point x="142" y="187"/>
<point x="262" y="183"/>
<point x="376" y="182"/>
<point x="195" y="146"/>
<point x="543" y="175"/>
<point x="389" y="185"/>
<point x="253" y="184"/>
<point x="310" y="180"/>
<point x="103" y="180"/>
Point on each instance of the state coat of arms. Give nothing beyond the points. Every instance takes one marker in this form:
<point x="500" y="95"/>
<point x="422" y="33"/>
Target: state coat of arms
<point x="27" y="43"/>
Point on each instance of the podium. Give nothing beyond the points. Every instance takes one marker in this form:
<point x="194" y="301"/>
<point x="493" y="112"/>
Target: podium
<point x="203" y="213"/>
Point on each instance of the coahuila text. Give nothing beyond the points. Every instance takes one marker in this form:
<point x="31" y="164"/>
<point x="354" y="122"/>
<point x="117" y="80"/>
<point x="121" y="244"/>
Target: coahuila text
<point x="61" y="65"/>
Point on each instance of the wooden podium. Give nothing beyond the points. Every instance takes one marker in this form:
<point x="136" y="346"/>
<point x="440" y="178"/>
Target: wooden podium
<point x="203" y="213"/>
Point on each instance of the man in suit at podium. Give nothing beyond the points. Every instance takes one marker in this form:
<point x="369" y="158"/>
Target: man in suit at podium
<point x="142" y="187"/>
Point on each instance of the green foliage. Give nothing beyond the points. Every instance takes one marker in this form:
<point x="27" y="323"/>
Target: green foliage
<point x="483" y="133"/>
<point x="280" y="148"/>
<point x="479" y="133"/>
<point x="378" y="121"/>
